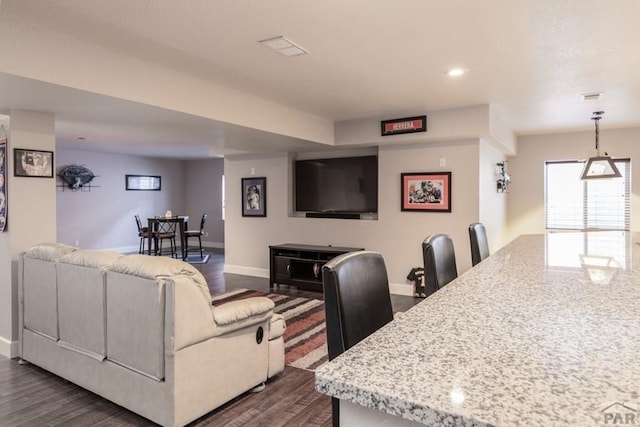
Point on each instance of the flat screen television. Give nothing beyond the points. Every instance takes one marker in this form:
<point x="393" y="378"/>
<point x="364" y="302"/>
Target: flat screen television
<point x="337" y="185"/>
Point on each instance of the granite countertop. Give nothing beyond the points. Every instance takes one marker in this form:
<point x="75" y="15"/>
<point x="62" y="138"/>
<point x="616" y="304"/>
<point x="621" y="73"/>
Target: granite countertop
<point x="531" y="336"/>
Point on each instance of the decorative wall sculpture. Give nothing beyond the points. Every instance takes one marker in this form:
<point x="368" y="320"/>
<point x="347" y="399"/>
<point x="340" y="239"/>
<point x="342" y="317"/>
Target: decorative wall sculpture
<point x="76" y="177"/>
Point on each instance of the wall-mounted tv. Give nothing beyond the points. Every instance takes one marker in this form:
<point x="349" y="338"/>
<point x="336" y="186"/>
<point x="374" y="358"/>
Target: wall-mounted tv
<point x="340" y="185"/>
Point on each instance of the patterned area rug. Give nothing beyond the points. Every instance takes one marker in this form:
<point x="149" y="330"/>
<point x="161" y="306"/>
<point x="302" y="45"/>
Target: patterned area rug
<point x="305" y="341"/>
<point x="195" y="259"/>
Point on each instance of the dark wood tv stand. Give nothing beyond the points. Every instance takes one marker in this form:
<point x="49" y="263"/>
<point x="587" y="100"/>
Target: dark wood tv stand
<point x="301" y="265"/>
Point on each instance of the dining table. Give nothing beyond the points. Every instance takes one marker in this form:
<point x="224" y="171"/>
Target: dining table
<point x="155" y="223"/>
<point x="544" y="332"/>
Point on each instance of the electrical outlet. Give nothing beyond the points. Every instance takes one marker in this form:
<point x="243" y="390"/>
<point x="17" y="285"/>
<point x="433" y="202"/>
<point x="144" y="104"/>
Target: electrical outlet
<point x="206" y="234"/>
<point x="77" y="242"/>
<point x="443" y="161"/>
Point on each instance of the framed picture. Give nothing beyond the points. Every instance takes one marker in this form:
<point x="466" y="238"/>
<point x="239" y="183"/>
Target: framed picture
<point x="254" y="196"/>
<point x="4" y="209"/>
<point x="32" y="163"/>
<point x="426" y="192"/>
<point x="143" y="183"/>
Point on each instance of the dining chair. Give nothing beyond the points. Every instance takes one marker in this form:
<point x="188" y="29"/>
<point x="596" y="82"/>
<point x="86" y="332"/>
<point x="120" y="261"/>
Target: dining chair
<point x="439" y="258"/>
<point x="479" y="243"/>
<point x="143" y="234"/>
<point x="165" y="230"/>
<point x="196" y="233"/>
<point x="356" y="301"/>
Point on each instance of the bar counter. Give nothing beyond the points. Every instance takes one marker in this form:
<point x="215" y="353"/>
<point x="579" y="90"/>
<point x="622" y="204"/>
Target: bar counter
<point x="544" y="332"/>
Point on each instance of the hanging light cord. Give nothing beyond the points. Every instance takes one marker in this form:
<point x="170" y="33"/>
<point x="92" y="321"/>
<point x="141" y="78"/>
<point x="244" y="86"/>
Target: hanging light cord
<point x="597" y="115"/>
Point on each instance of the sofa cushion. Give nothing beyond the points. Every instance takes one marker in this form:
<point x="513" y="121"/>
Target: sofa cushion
<point x="49" y="251"/>
<point x="82" y="300"/>
<point x="40" y="287"/>
<point x="136" y="322"/>
<point x="239" y="310"/>
<point x="91" y="258"/>
<point x="277" y="327"/>
<point x="153" y="267"/>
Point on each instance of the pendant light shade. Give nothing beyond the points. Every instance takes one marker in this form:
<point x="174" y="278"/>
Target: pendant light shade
<point x="600" y="166"/>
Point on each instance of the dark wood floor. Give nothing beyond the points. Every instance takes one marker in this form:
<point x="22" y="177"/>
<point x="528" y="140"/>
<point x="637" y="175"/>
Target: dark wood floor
<point x="30" y="396"/>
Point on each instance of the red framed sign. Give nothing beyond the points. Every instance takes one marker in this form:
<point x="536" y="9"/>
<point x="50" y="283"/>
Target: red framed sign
<point x="406" y="125"/>
<point x="426" y="192"/>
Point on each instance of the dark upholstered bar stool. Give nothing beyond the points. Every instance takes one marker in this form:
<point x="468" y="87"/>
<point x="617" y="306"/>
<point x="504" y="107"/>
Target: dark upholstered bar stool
<point x="356" y="302"/>
<point x="439" y="262"/>
<point x="194" y="234"/>
<point x="143" y="234"/>
<point x="166" y="231"/>
<point x="479" y="242"/>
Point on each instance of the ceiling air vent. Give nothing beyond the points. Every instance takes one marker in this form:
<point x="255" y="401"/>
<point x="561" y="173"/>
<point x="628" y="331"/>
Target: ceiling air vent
<point x="591" y="96"/>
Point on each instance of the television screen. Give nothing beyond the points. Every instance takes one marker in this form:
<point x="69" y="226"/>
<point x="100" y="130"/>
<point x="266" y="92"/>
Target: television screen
<point x="345" y="184"/>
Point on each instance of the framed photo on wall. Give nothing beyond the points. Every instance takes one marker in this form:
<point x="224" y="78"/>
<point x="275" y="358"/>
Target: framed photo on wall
<point x="426" y="191"/>
<point x="32" y="163"/>
<point x="143" y="183"/>
<point x="254" y="196"/>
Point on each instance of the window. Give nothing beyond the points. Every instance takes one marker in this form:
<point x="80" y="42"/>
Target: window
<point x="574" y="204"/>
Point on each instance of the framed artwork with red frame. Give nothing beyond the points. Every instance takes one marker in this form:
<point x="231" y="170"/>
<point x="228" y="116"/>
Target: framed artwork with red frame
<point x="426" y="191"/>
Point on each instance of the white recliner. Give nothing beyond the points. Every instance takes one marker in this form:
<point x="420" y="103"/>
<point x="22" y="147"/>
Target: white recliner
<point x="141" y="331"/>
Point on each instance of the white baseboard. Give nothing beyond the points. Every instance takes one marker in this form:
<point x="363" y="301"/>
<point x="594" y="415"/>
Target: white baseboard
<point x="401" y="289"/>
<point x="134" y="249"/>
<point x="8" y="348"/>
<point x="217" y="245"/>
<point x="247" y="271"/>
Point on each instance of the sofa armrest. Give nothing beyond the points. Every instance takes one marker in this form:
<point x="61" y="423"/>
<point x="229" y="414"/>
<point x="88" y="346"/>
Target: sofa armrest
<point x="239" y="314"/>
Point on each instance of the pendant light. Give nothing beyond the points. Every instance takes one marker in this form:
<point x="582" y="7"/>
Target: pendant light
<point x="600" y="166"/>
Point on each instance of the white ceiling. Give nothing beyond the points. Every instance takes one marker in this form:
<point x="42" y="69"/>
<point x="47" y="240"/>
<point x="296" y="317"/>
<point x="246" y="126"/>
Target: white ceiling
<point x="530" y="59"/>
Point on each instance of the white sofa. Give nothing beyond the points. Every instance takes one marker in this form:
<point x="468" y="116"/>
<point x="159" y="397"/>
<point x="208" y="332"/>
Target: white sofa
<point x="141" y="331"/>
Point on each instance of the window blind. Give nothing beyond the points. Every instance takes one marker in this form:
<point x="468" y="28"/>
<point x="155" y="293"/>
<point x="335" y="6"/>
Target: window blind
<point x="574" y="204"/>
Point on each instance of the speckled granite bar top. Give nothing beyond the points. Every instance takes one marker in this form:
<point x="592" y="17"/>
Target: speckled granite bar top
<point x="538" y="334"/>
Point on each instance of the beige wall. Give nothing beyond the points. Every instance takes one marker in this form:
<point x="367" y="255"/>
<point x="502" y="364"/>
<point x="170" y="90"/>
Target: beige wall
<point x="31" y="218"/>
<point x="203" y="194"/>
<point x="103" y="216"/>
<point x="188" y="188"/>
<point x="525" y="205"/>
<point x="492" y="205"/>
<point x="397" y="235"/>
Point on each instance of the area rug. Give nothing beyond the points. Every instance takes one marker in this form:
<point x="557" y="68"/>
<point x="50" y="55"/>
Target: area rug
<point x="305" y="341"/>
<point x="195" y="259"/>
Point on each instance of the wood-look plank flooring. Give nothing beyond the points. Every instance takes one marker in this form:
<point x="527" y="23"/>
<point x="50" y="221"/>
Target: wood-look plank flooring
<point x="30" y="396"/>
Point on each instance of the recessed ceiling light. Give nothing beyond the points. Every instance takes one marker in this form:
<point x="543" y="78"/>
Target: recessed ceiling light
<point x="284" y="46"/>
<point x="456" y="72"/>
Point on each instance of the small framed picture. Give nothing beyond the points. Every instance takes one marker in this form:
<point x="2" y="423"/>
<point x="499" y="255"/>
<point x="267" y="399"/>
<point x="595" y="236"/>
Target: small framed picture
<point x="426" y="192"/>
<point x="143" y="183"/>
<point x="32" y="163"/>
<point x="254" y="196"/>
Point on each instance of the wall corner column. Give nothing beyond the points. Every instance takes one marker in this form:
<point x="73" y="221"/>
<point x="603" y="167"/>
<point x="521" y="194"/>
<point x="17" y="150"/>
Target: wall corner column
<point x="31" y="215"/>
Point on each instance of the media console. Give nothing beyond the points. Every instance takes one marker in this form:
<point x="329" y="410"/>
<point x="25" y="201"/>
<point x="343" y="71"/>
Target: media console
<point x="301" y="265"/>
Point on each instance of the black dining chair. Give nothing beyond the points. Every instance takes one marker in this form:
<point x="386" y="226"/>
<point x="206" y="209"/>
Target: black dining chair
<point x="143" y="234"/>
<point x="165" y="230"/>
<point x="356" y="302"/>
<point x="439" y="259"/>
<point x="196" y="233"/>
<point x="479" y="242"/>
